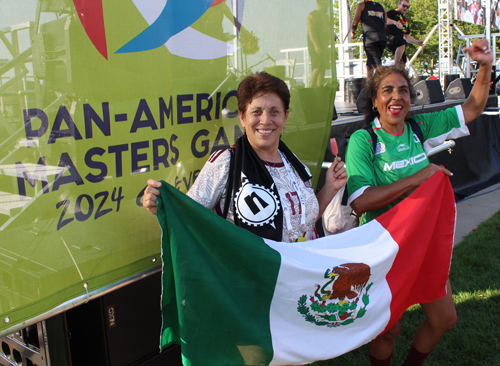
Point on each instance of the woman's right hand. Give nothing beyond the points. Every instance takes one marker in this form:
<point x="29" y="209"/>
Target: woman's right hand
<point x="425" y="173"/>
<point x="374" y="198"/>
<point x="150" y="194"/>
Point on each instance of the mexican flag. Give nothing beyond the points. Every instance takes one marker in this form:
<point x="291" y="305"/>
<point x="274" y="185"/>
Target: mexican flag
<point x="233" y="298"/>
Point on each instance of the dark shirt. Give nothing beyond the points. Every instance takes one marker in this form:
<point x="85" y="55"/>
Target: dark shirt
<point x="392" y="29"/>
<point x="373" y="22"/>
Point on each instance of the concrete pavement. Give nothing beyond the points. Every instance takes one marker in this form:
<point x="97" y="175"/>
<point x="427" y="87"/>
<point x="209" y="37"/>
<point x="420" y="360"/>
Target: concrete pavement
<point x="475" y="209"/>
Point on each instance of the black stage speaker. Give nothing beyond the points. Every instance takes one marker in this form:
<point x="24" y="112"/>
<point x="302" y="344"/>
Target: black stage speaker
<point x="428" y="92"/>
<point x="120" y="328"/>
<point x="360" y="102"/>
<point x="459" y="89"/>
<point x="335" y="115"/>
<point x="448" y="78"/>
<point x="352" y="88"/>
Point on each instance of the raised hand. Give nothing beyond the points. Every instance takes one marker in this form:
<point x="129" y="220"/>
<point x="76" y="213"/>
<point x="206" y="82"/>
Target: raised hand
<point x="480" y="52"/>
<point x="336" y="175"/>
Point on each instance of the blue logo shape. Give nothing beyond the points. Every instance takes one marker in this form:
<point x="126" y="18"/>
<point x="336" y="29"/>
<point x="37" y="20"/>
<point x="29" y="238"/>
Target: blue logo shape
<point x="176" y="16"/>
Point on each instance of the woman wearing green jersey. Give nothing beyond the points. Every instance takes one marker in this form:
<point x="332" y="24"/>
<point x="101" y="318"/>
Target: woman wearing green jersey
<point x="378" y="180"/>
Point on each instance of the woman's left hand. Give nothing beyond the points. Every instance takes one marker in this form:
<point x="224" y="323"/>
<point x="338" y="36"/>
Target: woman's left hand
<point x="336" y="176"/>
<point x="480" y="52"/>
<point x="474" y="105"/>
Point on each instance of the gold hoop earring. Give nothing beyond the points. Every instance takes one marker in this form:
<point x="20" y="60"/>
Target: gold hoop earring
<point x="374" y="109"/>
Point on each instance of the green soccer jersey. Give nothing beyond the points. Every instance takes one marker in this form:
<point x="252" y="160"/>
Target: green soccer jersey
<point x="397" y="156"/>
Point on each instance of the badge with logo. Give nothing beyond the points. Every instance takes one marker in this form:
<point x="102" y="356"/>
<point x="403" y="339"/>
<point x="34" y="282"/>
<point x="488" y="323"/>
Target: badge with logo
<point x="341" y="300"/>
<point x="402" y="147"/>
<point x="256" y="205"/>
<point x="380" y="148"/>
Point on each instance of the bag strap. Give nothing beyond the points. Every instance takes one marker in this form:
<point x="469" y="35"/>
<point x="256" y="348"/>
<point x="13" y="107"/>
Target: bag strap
<point x="373" y="135"/>
<point x="416" y="129"/>
<point x="345" y="196"/>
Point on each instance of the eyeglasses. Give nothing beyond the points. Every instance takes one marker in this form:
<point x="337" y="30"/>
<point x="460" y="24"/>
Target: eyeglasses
<point x="405" y="6"/>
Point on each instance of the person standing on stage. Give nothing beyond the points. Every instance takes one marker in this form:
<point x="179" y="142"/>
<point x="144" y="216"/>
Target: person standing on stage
<point x="399" y="36"/>
<point x="373" y="22"/>
<point x="317" y="43"/>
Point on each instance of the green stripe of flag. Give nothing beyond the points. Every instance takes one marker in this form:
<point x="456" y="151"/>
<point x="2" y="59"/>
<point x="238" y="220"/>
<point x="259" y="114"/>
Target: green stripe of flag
<point x="216" y="293"/>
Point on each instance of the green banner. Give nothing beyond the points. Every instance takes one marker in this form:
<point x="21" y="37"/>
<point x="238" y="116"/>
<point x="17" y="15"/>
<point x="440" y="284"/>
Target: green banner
<point x="98" y="96"/>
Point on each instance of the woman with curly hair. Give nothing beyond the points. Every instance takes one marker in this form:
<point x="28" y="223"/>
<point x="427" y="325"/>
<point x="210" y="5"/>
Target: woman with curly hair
<point x="381" y="175"/>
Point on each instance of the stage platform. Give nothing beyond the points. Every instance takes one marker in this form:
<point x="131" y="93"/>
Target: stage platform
<point x="348" y="113"/>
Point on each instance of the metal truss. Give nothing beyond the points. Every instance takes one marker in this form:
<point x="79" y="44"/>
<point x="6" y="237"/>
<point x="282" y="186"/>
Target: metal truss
<point x="445" y="38"/>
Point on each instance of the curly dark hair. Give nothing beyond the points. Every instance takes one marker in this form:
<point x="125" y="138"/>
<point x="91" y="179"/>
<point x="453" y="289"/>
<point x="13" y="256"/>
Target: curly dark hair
<point x="261" y="82"/>
<point x="372" y="86"/>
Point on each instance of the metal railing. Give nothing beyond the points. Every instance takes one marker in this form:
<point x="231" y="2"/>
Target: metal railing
<point x="301" y="58"/>
<point x="465" y="56"/>
<point x="346" y="67"/>
<point x="355" y="66"/>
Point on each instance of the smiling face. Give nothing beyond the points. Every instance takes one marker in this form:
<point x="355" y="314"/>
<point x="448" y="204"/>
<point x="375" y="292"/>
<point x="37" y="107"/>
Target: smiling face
<point x="403" y="7"/>
<point x="393" y="102"/>
<point x="264" y="120"/>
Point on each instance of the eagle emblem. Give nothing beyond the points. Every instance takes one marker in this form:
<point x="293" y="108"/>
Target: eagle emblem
<point x="337" y="302"/>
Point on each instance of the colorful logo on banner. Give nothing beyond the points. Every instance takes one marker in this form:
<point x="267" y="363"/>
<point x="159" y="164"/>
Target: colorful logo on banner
<point x="161" y="30"/>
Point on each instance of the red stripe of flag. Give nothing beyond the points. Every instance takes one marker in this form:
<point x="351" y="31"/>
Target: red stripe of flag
<point x="425" y="281"/>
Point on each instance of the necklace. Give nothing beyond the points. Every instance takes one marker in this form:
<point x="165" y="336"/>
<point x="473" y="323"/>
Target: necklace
<point x="273" y="170"/>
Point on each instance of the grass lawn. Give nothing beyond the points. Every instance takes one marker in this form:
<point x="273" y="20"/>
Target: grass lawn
<point x="475" y="279"/>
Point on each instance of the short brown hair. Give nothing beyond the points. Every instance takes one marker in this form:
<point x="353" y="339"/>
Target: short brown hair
<point x="373" y="84"/>
<point x="258" y="83"/>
